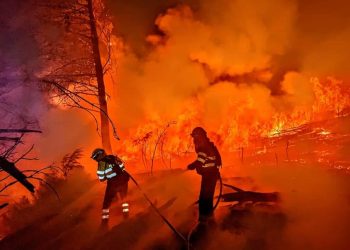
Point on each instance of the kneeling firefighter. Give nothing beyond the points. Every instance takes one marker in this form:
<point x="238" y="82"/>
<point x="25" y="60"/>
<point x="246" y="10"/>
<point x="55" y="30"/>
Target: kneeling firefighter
<point x="207" y="165"/>
<point x="111" y="169"/>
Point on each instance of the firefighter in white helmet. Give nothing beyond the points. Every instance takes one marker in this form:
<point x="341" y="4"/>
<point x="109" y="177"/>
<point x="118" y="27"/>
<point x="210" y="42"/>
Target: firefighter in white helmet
<point x="111" y="169"/>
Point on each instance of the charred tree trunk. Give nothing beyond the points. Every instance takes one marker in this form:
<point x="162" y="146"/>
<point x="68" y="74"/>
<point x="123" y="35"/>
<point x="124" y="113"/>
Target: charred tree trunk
<point x="246" y="196"/>
<point x="106" y="143"/>
<point x="4" y="205"/>
<point x="11" y="169"/>
<point x="9" y="130"/>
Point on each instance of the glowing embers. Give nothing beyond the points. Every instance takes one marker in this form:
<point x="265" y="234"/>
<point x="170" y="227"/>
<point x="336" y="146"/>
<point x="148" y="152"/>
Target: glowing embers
<point x="276" y="130"/>
<point x="324" y="132"/>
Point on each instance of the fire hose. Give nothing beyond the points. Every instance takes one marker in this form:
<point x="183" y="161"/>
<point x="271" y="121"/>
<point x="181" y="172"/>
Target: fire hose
<point x="157" y="211"/>
<point x="181" y="236"/>
<point x="220" y="193"/>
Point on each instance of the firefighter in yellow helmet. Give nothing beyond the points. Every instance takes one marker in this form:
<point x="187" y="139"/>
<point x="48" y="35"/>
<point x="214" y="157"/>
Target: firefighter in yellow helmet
<point x="207" y="165"/>
<point x="111" y="169"/>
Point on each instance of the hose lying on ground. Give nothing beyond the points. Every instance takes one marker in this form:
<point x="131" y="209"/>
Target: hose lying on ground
<point x="186" y="240"/>
<point x="157" y="211"/>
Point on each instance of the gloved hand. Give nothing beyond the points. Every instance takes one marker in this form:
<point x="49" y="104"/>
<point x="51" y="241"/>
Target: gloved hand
<point x="191" y="166"/>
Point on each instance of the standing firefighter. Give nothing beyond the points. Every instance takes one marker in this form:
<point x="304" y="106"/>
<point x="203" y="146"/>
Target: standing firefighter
<point x="111" y="169"/>
<point x="207" y="165"/>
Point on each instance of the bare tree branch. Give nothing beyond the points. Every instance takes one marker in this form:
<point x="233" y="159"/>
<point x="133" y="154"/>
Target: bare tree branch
<point x="15" y="139"/>
<point x="24" y="155"/>
<point x="32" y="176"/>
<point x="9" y="151"/>
<point x="71" y="93"/>
<point x="74" y="58"/>
<point x="3" y="205"/>
<point x="19" y="131"/>
<point x="47" y="184"/>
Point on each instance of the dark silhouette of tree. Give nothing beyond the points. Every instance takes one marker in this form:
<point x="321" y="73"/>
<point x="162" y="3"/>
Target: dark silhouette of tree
<point x="9" y="159"/>
<point x="75" y="36"/>
<point x="19" y="96"/>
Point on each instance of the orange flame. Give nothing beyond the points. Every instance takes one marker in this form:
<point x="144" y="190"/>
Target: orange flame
<point x="240" y="129"/>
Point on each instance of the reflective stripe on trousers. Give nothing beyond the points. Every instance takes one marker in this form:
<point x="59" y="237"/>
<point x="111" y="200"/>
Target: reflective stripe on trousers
<point x="125" y="207"/>
<point x="105" y="214"/>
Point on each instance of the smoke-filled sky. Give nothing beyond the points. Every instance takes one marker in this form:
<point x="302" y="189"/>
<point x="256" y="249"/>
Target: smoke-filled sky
<point x="258" y="56"/>
<point x="23" y="104"/>
<point x="311" y="26"/>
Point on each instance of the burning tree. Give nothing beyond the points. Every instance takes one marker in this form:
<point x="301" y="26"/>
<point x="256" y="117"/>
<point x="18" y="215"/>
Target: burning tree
<point x="158" y="142"/>
<point x="71" y="37"/>
<point x="330" y="96"/>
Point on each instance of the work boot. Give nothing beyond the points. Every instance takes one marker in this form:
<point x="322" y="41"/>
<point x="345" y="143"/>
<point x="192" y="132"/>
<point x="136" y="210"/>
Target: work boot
<point x="125" y="210"/>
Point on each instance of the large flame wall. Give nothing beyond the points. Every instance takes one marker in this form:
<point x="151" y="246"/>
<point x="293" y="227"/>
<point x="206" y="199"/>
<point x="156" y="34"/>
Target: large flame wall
<point x="238" y="68"/>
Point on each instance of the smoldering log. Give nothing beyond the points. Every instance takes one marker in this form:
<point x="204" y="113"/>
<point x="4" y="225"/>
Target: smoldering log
<point x="11" y="169"/>
<point x="249" y="196"/>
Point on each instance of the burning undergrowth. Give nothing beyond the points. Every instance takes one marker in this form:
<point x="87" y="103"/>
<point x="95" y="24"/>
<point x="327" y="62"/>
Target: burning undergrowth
<point x="313" y="210"/>
<point x="265" y="98"/>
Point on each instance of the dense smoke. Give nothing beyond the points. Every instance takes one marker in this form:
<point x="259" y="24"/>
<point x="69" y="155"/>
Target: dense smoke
<point x="267" y="51"/>
<point x="315" y="24"/>
<point x="22" y="104"/>
<point x="25" y="105"/>
<point x="315" y="201"/>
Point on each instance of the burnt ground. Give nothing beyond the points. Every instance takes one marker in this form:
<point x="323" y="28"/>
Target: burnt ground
<point x="303" y="219"/>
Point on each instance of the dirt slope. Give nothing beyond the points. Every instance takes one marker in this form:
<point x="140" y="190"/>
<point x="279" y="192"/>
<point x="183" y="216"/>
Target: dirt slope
<point x="313" y="214"/>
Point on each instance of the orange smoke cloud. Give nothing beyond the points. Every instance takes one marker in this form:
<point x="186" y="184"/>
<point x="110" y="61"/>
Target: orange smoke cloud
<point x="221" y="59"/>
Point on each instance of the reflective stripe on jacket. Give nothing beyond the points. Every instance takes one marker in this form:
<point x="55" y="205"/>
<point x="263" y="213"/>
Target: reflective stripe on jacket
<point x="208" y="159"/>
<point x="108" y="168"/>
